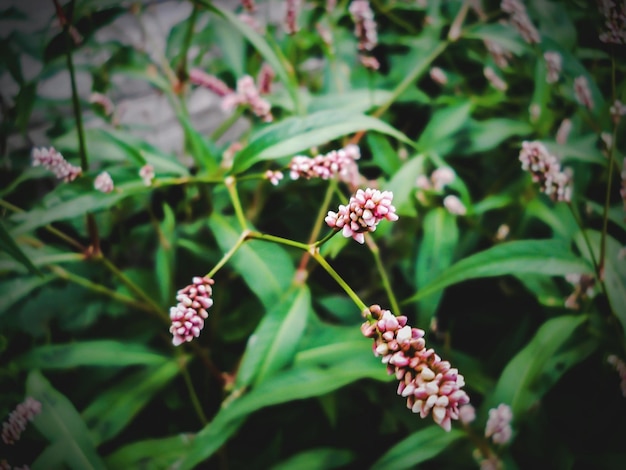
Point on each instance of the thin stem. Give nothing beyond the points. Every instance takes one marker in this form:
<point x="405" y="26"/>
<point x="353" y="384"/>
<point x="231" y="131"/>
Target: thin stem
<point x="192" y="393"/>
<point x="229" y="254"/>
<point x="330" y="235"/>
<point x="182" y="66"/>
<point x="335" y="275"/>
<point x="455" y="30"/>
<point x="226" y="124"/>
<point x="98" y="288"/>
<point x="231" y="186"/>
<point x="279" y="240"/>
<point x="383" y="273"/>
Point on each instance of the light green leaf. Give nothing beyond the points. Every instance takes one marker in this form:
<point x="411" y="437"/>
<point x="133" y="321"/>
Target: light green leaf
<point x="13" y="290"/>
<point x="8" y="245"/>
<point x="535" y="369"/>
<point x="314" y="459"/>
<point x="61" y="424"/>
<point x="89" y="353"/>
<point x="502" y="35"/>
<point x="583" y="149"/>
<point x="273" y="345"/>
<point x="114" y="408"/>
<point x="402" y="185"/>
<point x="548" y="257"/>
<point x="383" y="154"/>
<point x="296" y="134"/>
<point x="488" y="134"/>
<point x="266" y="267"/>
<point x="419" y="447"/>
<point x="442" y="126"/>
<point x="357" y="100"/>
<point x="202" y="151"/>
<point x="151" y="454"/>
<point x="435" y="254"/>
<point x="165" y="256"/>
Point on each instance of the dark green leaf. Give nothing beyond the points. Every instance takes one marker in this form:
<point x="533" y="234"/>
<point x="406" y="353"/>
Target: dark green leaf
<point x="323" y="457"/>
<point x="151" y="454"/>
<point x="8" y="245"/>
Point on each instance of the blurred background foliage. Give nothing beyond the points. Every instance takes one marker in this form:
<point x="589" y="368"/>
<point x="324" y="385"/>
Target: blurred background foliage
<point x="281" y="376"/>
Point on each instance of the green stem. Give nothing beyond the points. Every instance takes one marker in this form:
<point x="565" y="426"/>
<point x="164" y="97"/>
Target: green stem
<point x="330" y="235"/>
<point x="242" y="238"/>
<point x="394" y="18"/>
<point x="227" y="124"/>
<point x="335" y="275"/>
<point x="231" y="186"/>
<point x="135" y="289"/>
<point x="98" y="288"/>
<point x="279" y="240"/>
<point x="395" y="306"/>
<point x="182" y="66"/>
<point x="192" y="393"/>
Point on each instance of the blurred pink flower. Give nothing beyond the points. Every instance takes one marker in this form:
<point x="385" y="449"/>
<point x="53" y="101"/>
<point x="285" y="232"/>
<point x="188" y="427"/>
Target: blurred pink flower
<point x="363" y="213"/>
<point x="438" y="76"/>
<point x="553" y="64"/>
<point x="146" y="173"/>
<point x="15" y="425"/>
<point x="341" y="163"/>
<point x="292" y="9"/>
<point x="499" y="424"/>
<point x="53" y="161"/>
<point x="429" y="383"/>
<point x="563" y="132"/>
<point x="620" y="367"/>
<point x="273" y="176"/>
<point x="364" y="24"/>
<point x="104" y="182"/>
<point x="103" y="101"/>
<point x="518" y="16"/>
<point x="617" y="110"/>
<point x="454" y="205"/>
<point x="545" y="170"/>
<point x="264" y="79"/>
<point x="615" y="21"/>
<point x="248" y="95"/>
<point x="189" y="314"/>
<point x="582" y="92"/>
<point x="211" y="82"/>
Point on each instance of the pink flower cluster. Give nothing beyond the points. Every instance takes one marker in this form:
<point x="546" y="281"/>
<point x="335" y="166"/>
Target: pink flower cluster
<point x="622" y="190"/>
<point x="615" y="21"/>
<point x="211" y="82"/>
<point x="554" y="63"/>
<point x="292" y="8"/>
<point x="617" y="110"/>
<point x="53" y="161"/>
<point x="582" y="92"/>
<point x="340" y="162"/>
<point x="545" y="170"/>
<point x="518" y="16"/>
<point x="365" y="30"/>
<point x="103" y="101"/>
<point x="429" y="383"/>
<point x="146" y="173"/>
<point x="363" y="213"/>
<point x="498" y="53"/>
<point x="499" y="424"/>
<point x="247" y="94"/>
<point x="620" y="367"/>
<point x="13" y="428"/>
<point x="189" y="314"/>
<point x="104" y="182"/>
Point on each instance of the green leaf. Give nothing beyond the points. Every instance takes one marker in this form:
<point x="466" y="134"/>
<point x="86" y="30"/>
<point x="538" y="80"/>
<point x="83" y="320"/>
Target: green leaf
<point x="165" y="256"/>
<point x="357" y="100"/>
<point x="548" y="257"/>
<point x="273" y="345"/>
<point x="402" y="184"/>
<point x="8" y="245"/>
<point x="24" y="103"/>
<point x="113" y="409"/>
<point x="61" y="424"/>
<point x="296" y="134"/>
<point x="583" y="149"/>
<point x="489" y="133"/>
<point x="202" y="151"/>
<point x="535" y="369"/>
<point x="151" y="454"/>
<point x="436" y="251"/>
<point x="314" y="459"/>
<point x="13" y="290"/>
<point x="442" y="126"/>
<point x="614" y="269"/>
<point x="266" y="267"/>
<point x="502" y="35"/>
<point x="418" y="447"/>
<point x="89" y="353"/>
<point x="383" y="154"/>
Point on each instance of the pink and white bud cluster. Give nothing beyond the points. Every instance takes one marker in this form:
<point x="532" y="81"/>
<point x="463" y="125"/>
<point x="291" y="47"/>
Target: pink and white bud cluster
<point x="617" y="110"/>
<point x="363" y="213"/>
<point x="615" y="21"/>
<point x="273" y="176"/>
<point x="554" y="63"/>
<point x="582" y="92"/>
<point x="341" y="163"/>
<point x="499" y="54"/>
<point x="620" y="367"/>
<point x="103" y="101"/>
<point x="438" y="76"/>
<point x="583" y="288"/>
<point x="364" y="24"/>
<point x="454" y="205"/>
<point x="499" y="424"/>
<point x="428" y="383"/>
<point x="189" y="314"/>
<point x="252" y="22"/>
<point x="545" y="170"/>
<point x="104" y="182"/>
<point x="211" y="82"/>
<point x="518" y="16"/>
<point x="248" y="95"/>
<point x="264" y="79"/>
<point x="146" y="173"/>
<point x="13" y="427"/>
<point x="563" y="131"/>
<point x="53" y="161"/>
<point x="622" y="190"/>
<point x="467" y="414"/>
<point x="292" y="9"/>
<point x="495" y="80"/>
<point x="248" y="5"/>
<point x="439" y="178"/>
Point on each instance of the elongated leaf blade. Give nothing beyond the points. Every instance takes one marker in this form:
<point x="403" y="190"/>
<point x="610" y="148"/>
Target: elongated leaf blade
<point x="89" y="353"/>
<point x="548" y="257"/>
<point x="273" y="345"/>
<point x="418" y="447"/>
<point x="115" y="407"/>
<point x="8" y="245"/>
<point x="61" y="424"/>
<point x="151" y="454"/>
<point x="297" y="134"/>
<point x="323" y="457"/>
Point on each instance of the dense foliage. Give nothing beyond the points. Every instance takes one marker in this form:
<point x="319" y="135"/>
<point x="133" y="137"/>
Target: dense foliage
<point x="415" y="198"/>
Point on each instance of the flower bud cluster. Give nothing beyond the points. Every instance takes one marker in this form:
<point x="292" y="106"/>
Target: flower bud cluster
<point x="365" y="31"/>
<point x="562" y="134"/>
<point x="554" y="63"/>
<point x="620" y="367"/>
<point x="189" y="314"/>
<point x="340" y="162"/>
<point x="103" y="101"/>
<point x="545" y="170"/>
<point x="104" y="182"/>
<point x="363" y="213"/>
<point x="53" y="161"/>
<point x="146" y="173"/>
<point x="622" y="190"/>
<point x="499" y="54"/>
<point x="248" y="95"/>
<point x="617" y="110"/>
<point x="518" y="16"/>
<point x="615" y="21"/>
<point x="13" y="428"/>
<point x="429" y="384"/>
<point x="292" y="8"/>
<point x="211" y="82"/>
<point x="499" y="424"/>
<point x="582" y="92"/>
